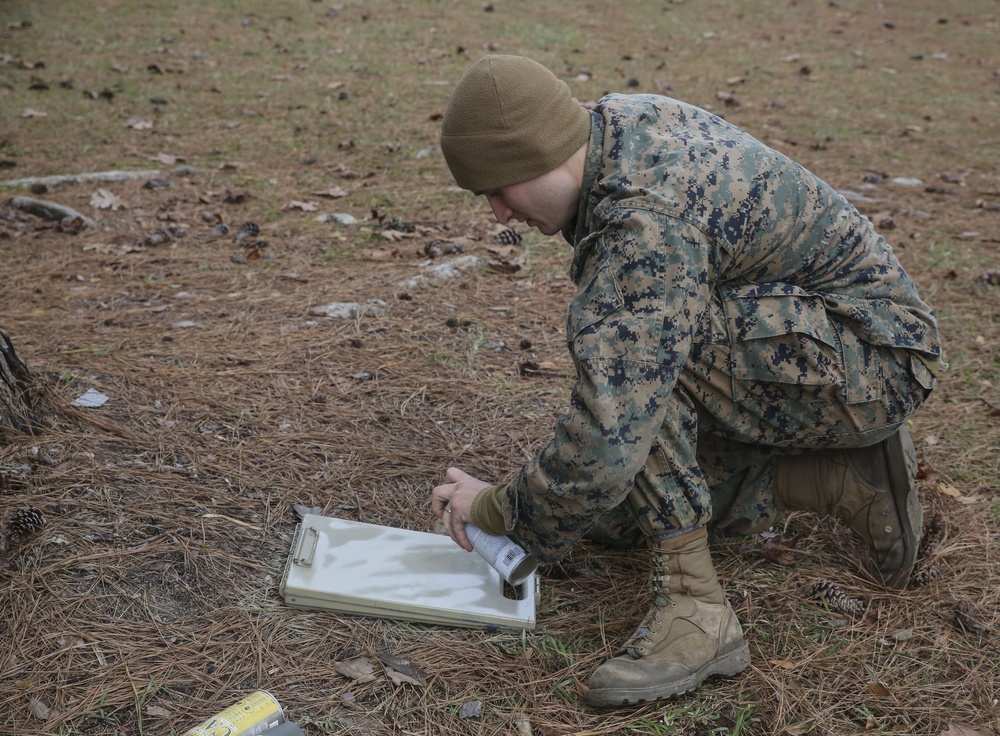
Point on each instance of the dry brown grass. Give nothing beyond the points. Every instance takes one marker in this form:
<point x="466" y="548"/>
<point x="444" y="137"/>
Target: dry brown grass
<point x="150" y="599"/>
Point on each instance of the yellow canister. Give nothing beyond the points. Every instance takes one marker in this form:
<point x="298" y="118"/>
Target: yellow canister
<point x="253" y="715"/>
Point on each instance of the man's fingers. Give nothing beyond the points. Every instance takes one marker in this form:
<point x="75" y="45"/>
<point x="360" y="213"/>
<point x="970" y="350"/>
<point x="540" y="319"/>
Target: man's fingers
<point x="456" y="530"/>
<point x="454" y="475"/>
<point x="462" y="538"/>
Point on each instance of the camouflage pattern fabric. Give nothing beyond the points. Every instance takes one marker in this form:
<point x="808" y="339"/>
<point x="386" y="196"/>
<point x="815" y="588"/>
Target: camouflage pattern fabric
<point x="730" y="306"/>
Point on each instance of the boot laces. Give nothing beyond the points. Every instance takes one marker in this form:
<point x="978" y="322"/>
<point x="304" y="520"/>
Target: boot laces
<point x="661" y="602"/>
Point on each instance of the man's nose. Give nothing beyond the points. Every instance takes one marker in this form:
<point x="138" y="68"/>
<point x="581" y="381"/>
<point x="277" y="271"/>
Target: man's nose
<point x="501" y="211"/>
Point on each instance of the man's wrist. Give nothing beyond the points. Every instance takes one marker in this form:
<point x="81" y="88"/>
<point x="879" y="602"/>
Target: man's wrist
<point x="487" y="512"/>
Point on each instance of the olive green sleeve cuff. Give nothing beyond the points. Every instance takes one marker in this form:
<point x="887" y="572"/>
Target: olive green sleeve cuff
<point x="486" y="510"/>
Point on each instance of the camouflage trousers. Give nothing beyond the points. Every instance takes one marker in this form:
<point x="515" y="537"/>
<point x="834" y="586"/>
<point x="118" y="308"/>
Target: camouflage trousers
<point x="738" y="406"/>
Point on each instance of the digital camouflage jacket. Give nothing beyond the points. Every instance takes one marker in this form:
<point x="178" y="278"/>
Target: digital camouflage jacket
<point x="680" y="211"/>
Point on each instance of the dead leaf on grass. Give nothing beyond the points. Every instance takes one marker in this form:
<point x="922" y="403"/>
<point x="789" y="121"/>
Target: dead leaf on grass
<point x="32" y="113"/>
<point x="879" y="690"/>
<point x="949" y="490"/>
<point x="139" y="123"/>
<point x="304" y="206"/>
<point x="401" y="665"/>
<point x="106" y="200"/>
<point x="398" y="678"/>
<point x="776" y="550"/>
<point x="331" y="193"/>
<point x="358" y="669"/>
<point x="41" y="711"/>
<point x="470" y="709"/>
<point x="799" y="729"/>
<point x="379" y="254"/>
<point x="156" y="710"/>
<point x="167" y="158"/>
<point x="395" y="235"/>
<point x="523" y="726"/>
<point x="960" y="729"/>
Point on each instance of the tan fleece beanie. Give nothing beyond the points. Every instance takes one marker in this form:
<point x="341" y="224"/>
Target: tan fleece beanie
<point x="509" y="120"/>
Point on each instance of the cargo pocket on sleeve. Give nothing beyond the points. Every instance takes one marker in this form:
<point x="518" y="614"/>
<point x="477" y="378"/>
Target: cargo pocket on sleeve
<point x="789" y="339"/>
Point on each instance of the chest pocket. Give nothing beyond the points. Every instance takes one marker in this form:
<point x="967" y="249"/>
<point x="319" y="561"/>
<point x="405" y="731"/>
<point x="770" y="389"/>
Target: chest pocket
<point x="789" y="338"/>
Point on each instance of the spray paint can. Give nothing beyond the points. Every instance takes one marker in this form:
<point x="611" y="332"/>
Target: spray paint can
<point x="253" y="715"/>
<point x="505" y="556"/>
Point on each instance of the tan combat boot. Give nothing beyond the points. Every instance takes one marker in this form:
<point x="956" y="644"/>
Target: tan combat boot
<point x="690" y="633"/>
<point x="870" y="489"/>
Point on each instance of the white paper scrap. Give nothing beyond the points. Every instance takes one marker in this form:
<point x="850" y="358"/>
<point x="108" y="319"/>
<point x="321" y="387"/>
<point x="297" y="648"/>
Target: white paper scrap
<point x="91" y="399"/>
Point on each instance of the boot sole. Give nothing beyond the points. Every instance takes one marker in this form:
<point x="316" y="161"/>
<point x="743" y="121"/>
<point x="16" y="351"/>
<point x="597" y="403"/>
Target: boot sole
<point x="901" y="487"/>
<point x="728" y="665"/>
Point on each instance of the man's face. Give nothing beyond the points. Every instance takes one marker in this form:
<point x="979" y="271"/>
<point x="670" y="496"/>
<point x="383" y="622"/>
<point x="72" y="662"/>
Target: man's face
<point x="547" y="202"/>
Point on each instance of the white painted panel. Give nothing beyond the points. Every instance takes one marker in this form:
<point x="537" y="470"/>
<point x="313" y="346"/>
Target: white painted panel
<point x="371" y="570"/>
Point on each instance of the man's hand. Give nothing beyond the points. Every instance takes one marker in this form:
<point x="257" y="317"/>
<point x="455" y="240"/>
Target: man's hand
<point x="452" y="503"/>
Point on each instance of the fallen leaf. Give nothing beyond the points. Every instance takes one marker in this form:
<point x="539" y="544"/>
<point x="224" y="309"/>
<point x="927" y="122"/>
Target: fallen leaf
<point x="358" y="669"/>
<point x="39" y="710"/>
<point x="167" y="158"/>
<point x="784" y="664"/>
<point x="523" y="726"/>
<point x="155" y="710"/>
<point x="106" y="200"/>
<point x="394" y="235"/>
<point x="470" y="709"/>
<point x="401" y="664"/>
<point x="331" y="193"/>
<point x="879" y="690"/>
<point x="379" y="254"/>
<point x="950" y="490"/>
<point x="775" y="550"/>
<point x="799" y="729"/>
<point x="32" y="113"/>
<point x="139" y="123"/>
<point x="960" y="729"/>
<point x="304" y="206"/>
<point x="398" y="678"/>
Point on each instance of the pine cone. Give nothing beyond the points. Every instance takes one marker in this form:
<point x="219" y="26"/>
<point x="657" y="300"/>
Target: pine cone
<point x="932" y="535"/>
<point x="510" y="236"/>
<point x="24" y="524"/>
<point x="157" y="183"/>
<point x="157" y="237"/>
<point x="248" y="230"/>
<point x="219" y="230"/>
<point x="924" y="576"/>
<point x="398" y="224"/>
<point x="837" y="598"/>
<point x="433" y="248"/>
